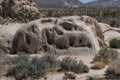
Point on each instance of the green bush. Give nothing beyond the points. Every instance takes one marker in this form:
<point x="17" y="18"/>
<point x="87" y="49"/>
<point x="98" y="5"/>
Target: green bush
<point x="106" y="55"/>
<point x="113" y="70"/>
<point x="21" y="69"/>
<point x="25" y="15"/>
<point x="70" y="64"/>
<point x="51" y="59"/>
<point x="114" y="43"/>
<point x="34" y="68"/>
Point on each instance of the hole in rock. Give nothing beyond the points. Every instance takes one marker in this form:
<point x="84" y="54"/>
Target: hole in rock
<point x="59" y="32"/>
<point x="72" y="40"/>
<point x="23" y="48"/>
<point x="44" y="47"/>
<point x="84" y="42"/>
<point x="61" y="43"/>
<point x="33" y="30"/>
<point x="67" y="26"/>
<point x="70" y="26"/>
<point x="49" y="37"/>
<point x="27" y="39"/>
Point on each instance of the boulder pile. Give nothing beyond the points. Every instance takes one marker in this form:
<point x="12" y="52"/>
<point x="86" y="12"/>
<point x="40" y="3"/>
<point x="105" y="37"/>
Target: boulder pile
<point x="12" y="7"/>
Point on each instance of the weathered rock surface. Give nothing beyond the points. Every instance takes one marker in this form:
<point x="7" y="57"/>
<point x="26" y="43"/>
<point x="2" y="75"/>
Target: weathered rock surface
<point x="7" y="33"/>
<point x="109" y="32"/>
<point x="27" y="39"/>
<point x="72" y="34"/>
<point x="65" y="34"/>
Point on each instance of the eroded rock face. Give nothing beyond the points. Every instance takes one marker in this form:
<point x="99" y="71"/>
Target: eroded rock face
<point x="7" y="33"/>
<point x="26" y="39"/>
<point x="72" y="34"/>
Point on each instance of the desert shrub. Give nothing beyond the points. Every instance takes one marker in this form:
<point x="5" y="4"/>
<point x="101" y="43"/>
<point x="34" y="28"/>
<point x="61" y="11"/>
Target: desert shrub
<point x="106" y="55"/>
<point x="51" y="59"/>
<point x="98" y="65"/>
<point x="6" y="20"/>
<point x="31" y="67"/>
<point x="4" y="59"/>
<point x="70" y="64"/>
<point x="113" y="70"/>
<point x="114" y="43"/>
<point x="25" y="15"/>
<point x="21" y="69"/>
<point x="1" y="47"/>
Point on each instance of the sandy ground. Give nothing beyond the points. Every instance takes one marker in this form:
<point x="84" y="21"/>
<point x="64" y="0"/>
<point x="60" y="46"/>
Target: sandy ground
<point x="87" y="59"/>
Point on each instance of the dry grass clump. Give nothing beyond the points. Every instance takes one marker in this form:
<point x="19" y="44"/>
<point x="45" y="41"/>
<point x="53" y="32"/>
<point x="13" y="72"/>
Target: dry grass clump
<point x="106" y="55"/>
<point x="98" y="65"/>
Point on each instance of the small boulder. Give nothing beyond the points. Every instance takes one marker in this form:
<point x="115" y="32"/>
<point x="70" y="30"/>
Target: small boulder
<point x="70" y="75"/>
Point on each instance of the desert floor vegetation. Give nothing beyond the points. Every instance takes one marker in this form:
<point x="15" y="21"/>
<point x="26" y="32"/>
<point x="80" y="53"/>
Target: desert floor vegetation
<point x="35" y="67"/>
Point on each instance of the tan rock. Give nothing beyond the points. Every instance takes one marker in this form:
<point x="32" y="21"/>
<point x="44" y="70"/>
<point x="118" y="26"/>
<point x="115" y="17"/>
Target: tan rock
<point x="70" y="75"/>
<point x="26" y="39"/>
<point x="65" y="34"/>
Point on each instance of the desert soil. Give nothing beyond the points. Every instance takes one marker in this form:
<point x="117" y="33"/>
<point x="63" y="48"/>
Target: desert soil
<point x="87" y="59"/>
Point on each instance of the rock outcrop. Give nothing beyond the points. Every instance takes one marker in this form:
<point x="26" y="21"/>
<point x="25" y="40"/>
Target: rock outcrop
<point x="109" y="32"/>
<point x="72" y="34"/>
<point x="12" y="7"/>
<point x="66" y="34"/>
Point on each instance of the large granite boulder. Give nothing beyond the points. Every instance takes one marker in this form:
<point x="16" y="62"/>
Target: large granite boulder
<point x="72" y="34"/>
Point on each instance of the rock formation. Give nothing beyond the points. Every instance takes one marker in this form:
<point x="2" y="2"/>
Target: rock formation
<point x="109" y="32"/>
<point x="7" y="33"/>
<point x="11" y="7"/>
<point x="72" y="34"/>
<point x="65" y="34"/>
